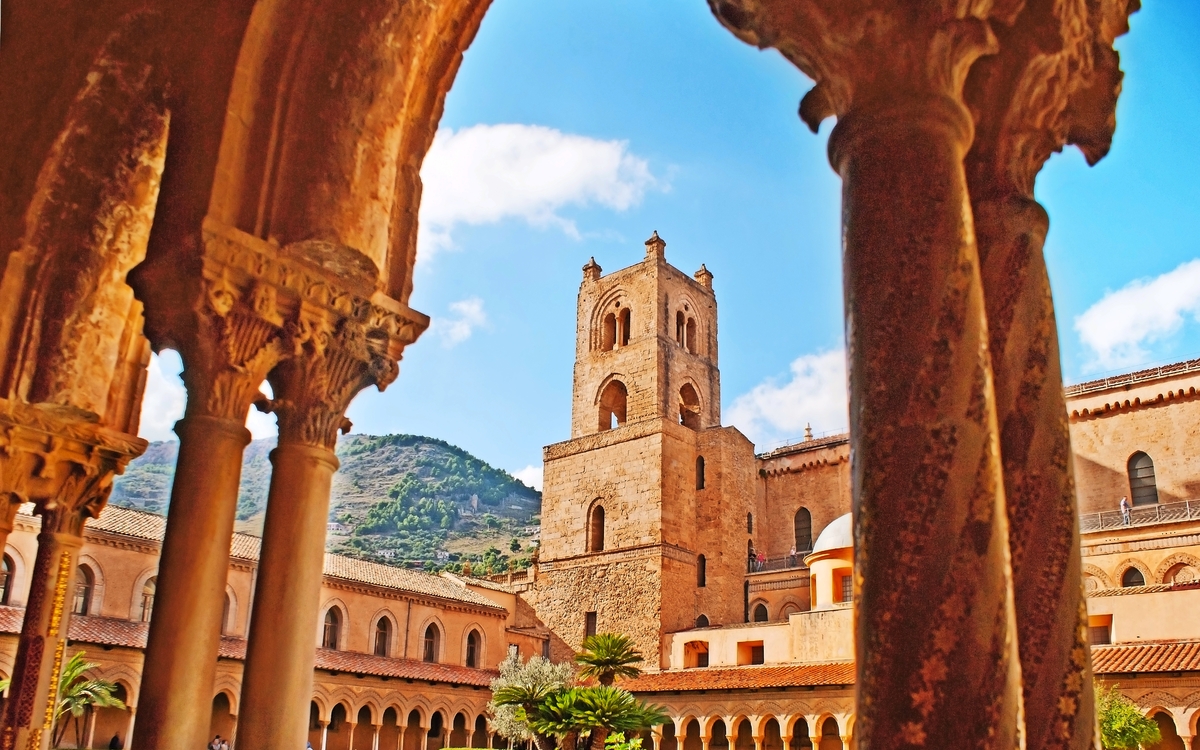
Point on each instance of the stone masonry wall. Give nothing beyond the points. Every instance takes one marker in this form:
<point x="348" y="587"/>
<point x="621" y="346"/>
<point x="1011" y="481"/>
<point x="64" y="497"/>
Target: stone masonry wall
<point x="816" y="478"/>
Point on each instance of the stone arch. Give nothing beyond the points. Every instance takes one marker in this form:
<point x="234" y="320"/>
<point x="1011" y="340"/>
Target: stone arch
<point x="1125" y="565"/>
<point x="439" y="645"/>
<point x="1179" y="558"/>
<point x="76" y="337"/>
<point x="596" y="532"/>
<point x="343" y="613"/>
<point x="1101" y="577"/>
<point x="691" y="338"/>
<point x="139" y="584"/>
<point x="612" y="403"/>
<point x="377" y="122"/>
<point x="790" y="605"/>
<point x="229" y="621"/>
<point x="760" y="608"/>
<point x="323" y="703"/>
<point x="609" y="309"/>
<point x="96" y="605"/>
<point x="231" y="686"/>
<point x="384" y="613"/>
<point x="373" y="706"/>
<point x="481" y="649"/>
<point x="690" y="406"/>
<point x="18" y="582"/>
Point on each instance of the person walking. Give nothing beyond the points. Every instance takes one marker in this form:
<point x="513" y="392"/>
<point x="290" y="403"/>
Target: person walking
<point x="215" y="744"/>
<point x="792" y="557"/>
<point x="1125" y="515"/>
<point x="762" y="562"/>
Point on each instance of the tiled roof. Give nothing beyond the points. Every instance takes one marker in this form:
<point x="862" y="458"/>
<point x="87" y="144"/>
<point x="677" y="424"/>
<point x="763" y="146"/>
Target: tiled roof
<point x="151" y="527"/>
<point x="741" y="678"/>
<point x="1179" y="656"/>
<point x="110" y="631"/>
<point x="1152" y="588"/>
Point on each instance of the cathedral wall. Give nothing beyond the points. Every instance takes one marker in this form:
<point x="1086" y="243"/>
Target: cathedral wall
<point x="816" y="478"/>
<point x="1104" y="439"/>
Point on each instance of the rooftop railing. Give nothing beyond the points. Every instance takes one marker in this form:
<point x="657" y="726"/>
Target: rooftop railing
<point x="787" y="562"/>
<point x="1143" y="515"/>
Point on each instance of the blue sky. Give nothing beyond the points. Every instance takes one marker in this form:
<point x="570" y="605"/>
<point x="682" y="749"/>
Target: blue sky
<point x="575" y="129"/>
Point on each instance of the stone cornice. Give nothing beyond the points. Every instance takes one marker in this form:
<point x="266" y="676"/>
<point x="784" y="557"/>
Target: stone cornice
<point x="1127" y="405"/>
<point x="384" y="592"/>
<point x="642" y="551"/>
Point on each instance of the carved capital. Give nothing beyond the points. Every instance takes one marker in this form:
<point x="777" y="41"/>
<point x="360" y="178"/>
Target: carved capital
<point x="866" y="54"/>
<point x="61" y="460"/>
<point x="1054" y="82"/>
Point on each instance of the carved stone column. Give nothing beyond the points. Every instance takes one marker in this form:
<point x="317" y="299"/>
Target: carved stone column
<point x="63" y="461"/>
<point x="228" y="325"/>
<point x="937" y="663"/>
<point x="1041" y="92"/>
<point x="334" y="356"/>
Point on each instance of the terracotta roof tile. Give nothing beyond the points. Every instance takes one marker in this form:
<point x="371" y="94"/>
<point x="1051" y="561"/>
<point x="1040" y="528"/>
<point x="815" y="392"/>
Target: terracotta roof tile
<point x="151" y="527"/>
<point x="1179" y="656"/>
<point x="740" y="678"/>
<point x="1152" y="588"/>
<point x="480" y="582"/>
<point x="110" y="631"/>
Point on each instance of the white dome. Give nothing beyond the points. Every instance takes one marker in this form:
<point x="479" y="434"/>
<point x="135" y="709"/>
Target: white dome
<point x="837" y="535"/>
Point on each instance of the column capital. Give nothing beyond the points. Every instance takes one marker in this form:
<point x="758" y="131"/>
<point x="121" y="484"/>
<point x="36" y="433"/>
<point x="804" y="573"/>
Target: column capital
<point x="59" y="458"/>
<point x="883" y="51"/>
<point x="1054" y="82"/>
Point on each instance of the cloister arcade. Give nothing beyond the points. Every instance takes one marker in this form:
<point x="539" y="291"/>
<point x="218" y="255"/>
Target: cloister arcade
<point x="240" y="181"/>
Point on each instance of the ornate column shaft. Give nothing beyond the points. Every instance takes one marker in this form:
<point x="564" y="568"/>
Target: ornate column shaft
<point x="334" y="355"/>
<point x="228" y="329"/>
<point x="62" y="460"/>
<point x="937" y="663"/>
<point x="1038" y="94"/>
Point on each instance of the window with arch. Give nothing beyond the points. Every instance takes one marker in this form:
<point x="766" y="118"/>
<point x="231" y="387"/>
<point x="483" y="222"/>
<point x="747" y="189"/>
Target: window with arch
<point x="474" y="642"/>
<point x="226" y="625"/>
<point x="680" y="326"/>
<point x="689" y="407"/>
<point x="702" y="621"/>
<point x="595" y="535"/>
<point x="701" y="572"/>
<point x="85" y="585"/>
<point x="1143" y="489"/>
<point x="332" y="632"/>
<point x="608" y="333"/>
<point x="699" y="472"/>
<point x="625" y="326"/>
<point x="148" y="589"/>
<point x="802" y="529"/>
<point x="383" y="636"/>
<point x="1132" y="577"/>
<point x="760" y="612"/>
<point x="690" y="336"/>
<point x="749" y="523"/>
<point x="431" y="644"/>
<point x="6" y="579"/>
<point x="613" y="401"/>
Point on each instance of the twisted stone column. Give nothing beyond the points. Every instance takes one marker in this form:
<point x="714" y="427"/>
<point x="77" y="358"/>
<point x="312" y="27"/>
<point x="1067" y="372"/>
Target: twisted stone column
<point x="334" y="356"/>
<point x="63" y="461"/>
<point x="1031" y="99"/>
<point x="937" y="663"/>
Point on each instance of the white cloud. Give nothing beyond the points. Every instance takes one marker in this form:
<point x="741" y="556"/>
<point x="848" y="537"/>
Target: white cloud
<point x="530" y="475"/>
<point x="486" y="173"/>
<point x="165" y="397"/>
<point x="466" y="315"/>
<point x="816" y="394"/>
<point x="1117" y="328"/>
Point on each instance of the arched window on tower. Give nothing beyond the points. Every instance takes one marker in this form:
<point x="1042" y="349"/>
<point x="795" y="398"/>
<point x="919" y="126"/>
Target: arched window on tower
<point x="701" y="572"/>
<point x="85" y="583"/>
<point x="6" y="580"/>
<point x="689" y="407"/>
<point x="1143" y="489"/>
<point x="613" y="400"/>
<point x="333" y="629"/>
<point x="226" y="625"/>
<point x="702" y="621"/>
<point x="679" y="327"/>
<point x="749" y="523"/>
<point x="626" y="322"/>
<point x="148" y="589"/>
<point x="802" y="526"/>
<point x="760" y="612"/>
<point x="690" y="336"/>
<point x="595" y="536"/>
<point x="432" y="643"/>
<point x="473" y="644"/>
<point x="608" y="334"/>
<point x="699" y="472"/>
<point x="383" y="636"/>
<point x="1132" y="577"/>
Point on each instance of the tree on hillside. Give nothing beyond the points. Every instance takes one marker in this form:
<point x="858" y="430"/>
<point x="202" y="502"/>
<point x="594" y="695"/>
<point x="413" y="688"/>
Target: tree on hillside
<point x="607" y="656"/>
<point x="1122" y="725"/>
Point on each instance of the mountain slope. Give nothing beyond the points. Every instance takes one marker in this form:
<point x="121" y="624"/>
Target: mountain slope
<point x="396" y="498"/>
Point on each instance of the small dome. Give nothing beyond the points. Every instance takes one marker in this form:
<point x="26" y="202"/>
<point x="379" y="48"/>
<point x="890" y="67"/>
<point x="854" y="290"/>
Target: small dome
<point x="837" y="535"/>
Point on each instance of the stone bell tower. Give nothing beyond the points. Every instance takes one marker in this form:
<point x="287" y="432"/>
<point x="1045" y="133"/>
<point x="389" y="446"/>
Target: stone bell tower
<point x="635" y="503"/>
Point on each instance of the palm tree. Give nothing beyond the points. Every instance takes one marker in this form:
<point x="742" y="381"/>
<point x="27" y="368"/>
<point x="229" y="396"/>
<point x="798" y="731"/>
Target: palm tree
<point x="79" y="695"/>
<point x="593" y="711"/>
<point x="529" y="699"/>
<point x="607" y="656"/>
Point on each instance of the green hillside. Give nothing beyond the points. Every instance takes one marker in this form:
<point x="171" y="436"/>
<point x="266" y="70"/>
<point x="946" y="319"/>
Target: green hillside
<point x="400" y="499"/>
